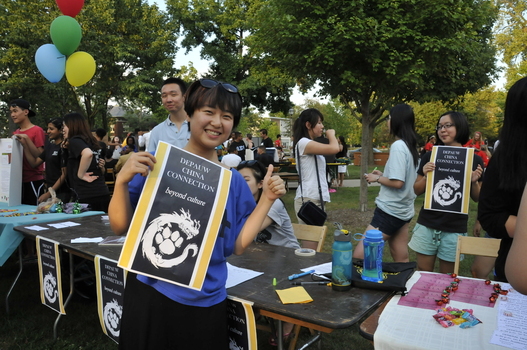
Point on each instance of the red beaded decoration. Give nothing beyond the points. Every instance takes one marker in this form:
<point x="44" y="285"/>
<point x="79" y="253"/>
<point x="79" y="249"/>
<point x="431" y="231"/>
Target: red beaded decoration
<point x="497" y="291"/>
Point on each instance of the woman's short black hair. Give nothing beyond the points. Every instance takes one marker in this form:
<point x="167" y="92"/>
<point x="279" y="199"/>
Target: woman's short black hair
<point x="198" y="96"/>
<point x="461" y="124"/>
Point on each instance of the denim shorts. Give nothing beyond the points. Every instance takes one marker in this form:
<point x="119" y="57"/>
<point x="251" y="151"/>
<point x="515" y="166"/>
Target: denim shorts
<point x="386" y="223"/>
<point x="428" y="241"/>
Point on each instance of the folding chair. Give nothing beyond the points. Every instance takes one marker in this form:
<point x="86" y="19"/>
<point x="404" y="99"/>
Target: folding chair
<point x="475" y="246"/>
<point x="311" y="233"/>
<point x="110" y="179"/>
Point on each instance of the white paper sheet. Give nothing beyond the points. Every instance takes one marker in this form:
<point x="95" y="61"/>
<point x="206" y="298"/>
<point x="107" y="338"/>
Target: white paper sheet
<point x="237" y="275"/>
<point x="64" y="224"/>
<point x="87" y="240"/>
<point x="36" y="228"/>
<point x="320" y="269"/>
<point x="512" y="320"/>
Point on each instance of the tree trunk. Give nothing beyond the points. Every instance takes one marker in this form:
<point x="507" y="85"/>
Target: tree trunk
<point x="366" y="144"/>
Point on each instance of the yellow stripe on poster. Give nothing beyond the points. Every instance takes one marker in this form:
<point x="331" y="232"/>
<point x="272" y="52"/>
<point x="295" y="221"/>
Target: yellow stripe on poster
<point x="59" y="278"/>
<point x="214" y="226"/>
<point x="40" y="273"/>
<point x="142" y="211"/>
<point x="96" y="261"/>
<point x="468" y="179"/>
<point x="429" y="190"/>
<point x="251" y="325"/>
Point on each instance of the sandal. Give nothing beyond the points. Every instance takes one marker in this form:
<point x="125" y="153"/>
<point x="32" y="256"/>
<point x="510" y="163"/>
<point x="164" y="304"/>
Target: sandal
<point x="286" y="337"/>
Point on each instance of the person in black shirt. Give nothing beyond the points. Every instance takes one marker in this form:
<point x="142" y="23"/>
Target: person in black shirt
<point x="263" y="157"/>
<point x="266" y="140"/>
<point x="435" y="234"/>
<point x="239" y="144"/>
<point x="52" y="156"/>
<point x="505" y="178"/>
<point x="84" y="174"/>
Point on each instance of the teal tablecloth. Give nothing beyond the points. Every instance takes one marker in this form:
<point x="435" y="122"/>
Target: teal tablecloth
<point x="10" y="239"/>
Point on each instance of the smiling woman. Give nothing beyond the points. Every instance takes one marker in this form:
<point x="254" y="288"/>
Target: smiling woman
<point x="436" y="231"/>
<point x="214" y="110"/>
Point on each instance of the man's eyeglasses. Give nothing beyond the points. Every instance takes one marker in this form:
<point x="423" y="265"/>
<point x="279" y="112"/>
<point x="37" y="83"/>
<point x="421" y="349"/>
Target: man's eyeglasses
<point x="210" y="83"/>
<point x="445" y="126"/>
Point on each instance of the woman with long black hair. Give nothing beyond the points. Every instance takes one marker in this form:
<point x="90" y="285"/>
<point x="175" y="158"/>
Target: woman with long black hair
<point x="435" y="234"/>
<point x="310" y="161"/>
<point x="506" y="176"/>
<point x="85" y="176"/>
<point x="395" y="202"/>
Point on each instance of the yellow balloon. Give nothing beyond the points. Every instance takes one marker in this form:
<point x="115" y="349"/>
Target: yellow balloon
<point x="80" y="68"/>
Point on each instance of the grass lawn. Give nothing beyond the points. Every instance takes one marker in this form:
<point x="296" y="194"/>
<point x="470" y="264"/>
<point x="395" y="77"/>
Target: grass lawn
<point x="29" y="324"/>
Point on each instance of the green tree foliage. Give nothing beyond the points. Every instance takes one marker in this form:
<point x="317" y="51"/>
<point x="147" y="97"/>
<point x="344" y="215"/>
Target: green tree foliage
<point x="338" y="116"/>
<point x="483" y="112"/>
<point x="220" y="29"/>
<point x="481" y="108"/>
<point x="511" y="37"/>
<point x="376" y="53"/>
<point x="426" y="116"/>
<point x="253" y="121"/>
<point x="132" y="43"/>
<point x="271" y="126"/>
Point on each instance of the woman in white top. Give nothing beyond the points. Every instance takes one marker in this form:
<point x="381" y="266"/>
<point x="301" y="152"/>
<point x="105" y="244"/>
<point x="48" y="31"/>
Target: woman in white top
<point x="307" y="127"/>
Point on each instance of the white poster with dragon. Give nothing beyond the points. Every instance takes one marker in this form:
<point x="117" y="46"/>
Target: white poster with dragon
<point x="111" y="280"/>
<point x="177" y="219"/>
<point x="50" y="274"/>
<point x="448" y="186"/>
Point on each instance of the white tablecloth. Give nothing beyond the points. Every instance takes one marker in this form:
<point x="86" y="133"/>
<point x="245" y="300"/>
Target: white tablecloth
<point x="402" y="327"/>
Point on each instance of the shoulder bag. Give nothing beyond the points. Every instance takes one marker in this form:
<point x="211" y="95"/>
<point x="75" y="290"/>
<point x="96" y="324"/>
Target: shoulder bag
<point x="309" y="212"/>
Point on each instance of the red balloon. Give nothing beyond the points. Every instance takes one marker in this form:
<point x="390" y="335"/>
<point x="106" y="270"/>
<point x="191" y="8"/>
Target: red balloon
<point x="70" y="7"/>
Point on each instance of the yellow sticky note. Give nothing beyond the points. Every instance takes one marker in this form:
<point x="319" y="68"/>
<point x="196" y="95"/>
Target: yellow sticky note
<point x="295" y="295"/>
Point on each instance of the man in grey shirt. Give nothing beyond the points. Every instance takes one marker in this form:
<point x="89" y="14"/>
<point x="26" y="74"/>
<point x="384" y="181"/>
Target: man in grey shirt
<point x="175" y="130"/>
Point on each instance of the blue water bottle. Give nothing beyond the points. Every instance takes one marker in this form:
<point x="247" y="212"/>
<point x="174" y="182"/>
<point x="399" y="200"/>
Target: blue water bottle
<point x="373" y="247"/>
<point x="341" y="260"/>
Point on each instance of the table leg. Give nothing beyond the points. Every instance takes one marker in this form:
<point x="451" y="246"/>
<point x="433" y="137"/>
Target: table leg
<point x="72" y="287"/>
<point x="311" y="341"/>
<point x="21" y="266"/>
<point x="280" y="336"/>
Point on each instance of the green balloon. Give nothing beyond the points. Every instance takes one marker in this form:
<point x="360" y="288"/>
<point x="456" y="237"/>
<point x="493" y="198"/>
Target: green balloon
<point x="66" y="34"/>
